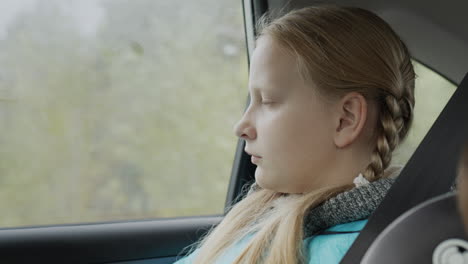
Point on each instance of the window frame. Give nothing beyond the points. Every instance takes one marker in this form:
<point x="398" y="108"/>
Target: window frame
<point x="243" y="170"/>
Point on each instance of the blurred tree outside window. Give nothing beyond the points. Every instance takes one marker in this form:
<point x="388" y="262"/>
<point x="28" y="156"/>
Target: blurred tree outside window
<point x="118" y="109"/>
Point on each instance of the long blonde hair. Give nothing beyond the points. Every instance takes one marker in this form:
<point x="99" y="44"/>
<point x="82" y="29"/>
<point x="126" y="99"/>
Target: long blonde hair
<point x="342" y="49"/>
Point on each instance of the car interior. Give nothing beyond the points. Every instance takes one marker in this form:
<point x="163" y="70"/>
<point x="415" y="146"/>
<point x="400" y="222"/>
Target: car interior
<point x="418" y="214"/>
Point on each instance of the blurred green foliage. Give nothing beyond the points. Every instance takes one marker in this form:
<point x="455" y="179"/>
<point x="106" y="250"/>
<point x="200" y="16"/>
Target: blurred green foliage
<point x="132" y="122"/>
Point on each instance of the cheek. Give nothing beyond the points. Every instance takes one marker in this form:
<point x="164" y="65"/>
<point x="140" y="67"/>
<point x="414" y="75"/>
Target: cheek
<point x="294" y="145"/>
<point x="283" y="131"/>
<point x="306" y="133"/>
<point x="295" y="138"/>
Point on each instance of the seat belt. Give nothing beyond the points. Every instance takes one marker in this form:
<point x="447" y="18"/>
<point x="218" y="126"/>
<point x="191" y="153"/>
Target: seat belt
<point x="431" y="171"/>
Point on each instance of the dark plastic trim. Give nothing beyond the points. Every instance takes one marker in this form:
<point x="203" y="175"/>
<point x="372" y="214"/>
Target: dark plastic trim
<point x="103" y="243"/>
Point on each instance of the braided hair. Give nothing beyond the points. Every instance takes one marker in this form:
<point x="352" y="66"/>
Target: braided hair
<point x="396" y="116"/>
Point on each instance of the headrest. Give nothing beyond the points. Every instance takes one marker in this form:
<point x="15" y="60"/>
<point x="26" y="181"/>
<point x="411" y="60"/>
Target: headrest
<point x="414" y="236"/>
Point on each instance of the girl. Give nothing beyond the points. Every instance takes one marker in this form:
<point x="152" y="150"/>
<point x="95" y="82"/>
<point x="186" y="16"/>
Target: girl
<point x="332" y="95"/>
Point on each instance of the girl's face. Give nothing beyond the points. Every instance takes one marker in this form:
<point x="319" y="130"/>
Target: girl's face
<point x="287" y="125"/>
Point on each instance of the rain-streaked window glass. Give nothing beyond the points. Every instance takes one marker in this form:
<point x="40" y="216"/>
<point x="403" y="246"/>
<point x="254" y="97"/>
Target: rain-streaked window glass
<point x="118" y="109"/>
<point x="432" y="92"/>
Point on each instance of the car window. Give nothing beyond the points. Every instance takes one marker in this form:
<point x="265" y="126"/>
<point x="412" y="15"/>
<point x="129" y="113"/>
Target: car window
<point x="119" y="109"/>
<point x="432" y="92"/>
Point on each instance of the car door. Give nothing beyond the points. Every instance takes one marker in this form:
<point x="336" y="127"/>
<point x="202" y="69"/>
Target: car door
<point x="118" y="142"/>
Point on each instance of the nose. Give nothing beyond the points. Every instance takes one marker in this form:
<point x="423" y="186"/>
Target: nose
<point x="244" y="128"/>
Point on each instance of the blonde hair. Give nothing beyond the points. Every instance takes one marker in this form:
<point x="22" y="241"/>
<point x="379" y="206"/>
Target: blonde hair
<point x="342" y="49"/>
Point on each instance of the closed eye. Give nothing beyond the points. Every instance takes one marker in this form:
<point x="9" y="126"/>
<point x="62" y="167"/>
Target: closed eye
<point x="262" y="101"/>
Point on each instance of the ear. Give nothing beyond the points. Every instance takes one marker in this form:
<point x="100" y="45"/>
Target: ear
<point x="350" y="119"/>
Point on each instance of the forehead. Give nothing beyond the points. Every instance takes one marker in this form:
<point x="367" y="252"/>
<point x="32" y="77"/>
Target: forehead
<point x="272" y="65"/>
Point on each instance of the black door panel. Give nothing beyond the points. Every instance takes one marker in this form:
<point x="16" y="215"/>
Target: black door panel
<point x="104" y="243"/>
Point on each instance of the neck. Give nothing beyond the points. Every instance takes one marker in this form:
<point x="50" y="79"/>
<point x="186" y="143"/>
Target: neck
<point x="346" y="166"/>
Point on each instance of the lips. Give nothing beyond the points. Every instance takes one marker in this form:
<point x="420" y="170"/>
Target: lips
<point x="252" y="154"/>
<point x="254" y="159"/>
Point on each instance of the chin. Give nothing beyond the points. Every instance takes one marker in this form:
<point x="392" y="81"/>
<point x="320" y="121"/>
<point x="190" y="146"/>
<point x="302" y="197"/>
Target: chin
<point x="260" y="179"/>
<point x="265" y="182"/>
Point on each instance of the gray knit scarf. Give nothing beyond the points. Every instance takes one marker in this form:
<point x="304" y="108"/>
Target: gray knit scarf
<point x="353" y="205"/>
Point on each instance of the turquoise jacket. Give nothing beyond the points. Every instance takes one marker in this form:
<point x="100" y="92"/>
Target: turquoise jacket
<point x="323" y="249"/>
